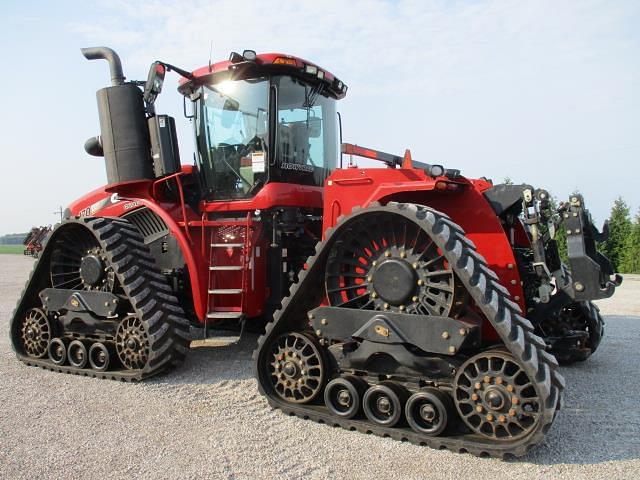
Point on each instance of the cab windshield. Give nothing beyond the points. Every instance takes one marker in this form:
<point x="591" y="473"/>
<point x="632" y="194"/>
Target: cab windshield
<point x="236" y="125"/>
<point x="232" y="135"/>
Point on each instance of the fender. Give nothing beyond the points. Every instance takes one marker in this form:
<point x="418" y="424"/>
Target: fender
<point x="102" y="203"/>
<point x="461" y="199"/>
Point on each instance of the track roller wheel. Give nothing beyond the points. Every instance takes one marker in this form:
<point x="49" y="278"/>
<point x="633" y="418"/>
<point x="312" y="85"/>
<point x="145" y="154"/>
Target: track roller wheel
<point x="383" y="404"/>
<point x="495" y="397"/>
<point x="77" y="354"/>
<point x="428" y="411"/>
<point x="296" y="367"/>
<point x="35" y="333"/>
<point x="342" y="396"/>
<point x="57" y="351"/>
<point x="99" y="357"/>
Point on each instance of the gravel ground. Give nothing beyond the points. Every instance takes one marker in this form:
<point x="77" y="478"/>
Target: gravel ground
<point x="208" y="420"/>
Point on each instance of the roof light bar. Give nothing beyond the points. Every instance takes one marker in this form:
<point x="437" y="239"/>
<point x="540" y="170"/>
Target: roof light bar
<point x="284" y="61"/>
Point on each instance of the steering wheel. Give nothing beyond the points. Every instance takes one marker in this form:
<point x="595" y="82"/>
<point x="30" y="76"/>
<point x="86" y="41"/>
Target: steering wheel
<point x="239" y="148"/>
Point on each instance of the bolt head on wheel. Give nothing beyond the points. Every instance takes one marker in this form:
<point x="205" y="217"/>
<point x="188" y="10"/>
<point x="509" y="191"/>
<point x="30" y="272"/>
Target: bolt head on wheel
<point x="77" y="354"/>
<point x="296" y="367"/>
<point x="342" y="396"/>
<point x="495" y="397"/>
<point x="395" y="281"/>
<point x="99" y="357"/>
<point x="132" y="343"/>
<point x="57" y="351"/>
<point x="384" y="261"/>
<point x="428" y="411"/>
<point x="35" y="333"/>
<point x="91" y="269"/>
<point x="383" y="404"/>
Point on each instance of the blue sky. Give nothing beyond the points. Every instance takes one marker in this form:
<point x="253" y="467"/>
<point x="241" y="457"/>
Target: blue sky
<point x="544" y="92"/>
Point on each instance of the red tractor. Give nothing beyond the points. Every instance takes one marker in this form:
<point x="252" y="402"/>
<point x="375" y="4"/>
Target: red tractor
<point x="406" y="300"/>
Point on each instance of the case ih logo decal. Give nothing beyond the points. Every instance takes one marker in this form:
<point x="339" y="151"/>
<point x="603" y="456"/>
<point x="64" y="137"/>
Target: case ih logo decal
<point x="99" y="205"/>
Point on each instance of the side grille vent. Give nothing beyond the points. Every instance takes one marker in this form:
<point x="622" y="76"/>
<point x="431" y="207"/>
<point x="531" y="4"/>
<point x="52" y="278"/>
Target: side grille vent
<point x="150" y="225"/>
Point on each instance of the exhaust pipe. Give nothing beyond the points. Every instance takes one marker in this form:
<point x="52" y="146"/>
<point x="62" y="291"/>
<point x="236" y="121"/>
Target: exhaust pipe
<point x="124" y="132"/>
<point x="105" y="53"/>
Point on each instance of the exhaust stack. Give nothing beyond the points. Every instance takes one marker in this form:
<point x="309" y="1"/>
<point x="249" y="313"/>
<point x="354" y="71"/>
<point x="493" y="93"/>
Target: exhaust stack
<point x="124" y="138"/>
<point x="105" y="53"/>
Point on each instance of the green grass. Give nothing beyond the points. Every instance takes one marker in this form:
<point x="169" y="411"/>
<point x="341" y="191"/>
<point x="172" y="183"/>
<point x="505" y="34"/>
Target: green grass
<point x="11" y="249"/>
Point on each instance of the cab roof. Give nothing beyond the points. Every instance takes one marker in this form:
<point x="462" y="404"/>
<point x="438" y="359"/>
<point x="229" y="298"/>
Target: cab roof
<point x="250" y="65"/>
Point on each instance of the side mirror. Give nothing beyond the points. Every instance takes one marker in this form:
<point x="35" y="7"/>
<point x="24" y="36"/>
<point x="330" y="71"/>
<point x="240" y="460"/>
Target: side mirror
<point x="153" y="86"/>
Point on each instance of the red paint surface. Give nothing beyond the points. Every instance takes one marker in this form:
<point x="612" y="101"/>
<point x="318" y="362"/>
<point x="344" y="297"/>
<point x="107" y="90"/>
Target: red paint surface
<point x="344" y="190"/>
<point x="118" y="199"/>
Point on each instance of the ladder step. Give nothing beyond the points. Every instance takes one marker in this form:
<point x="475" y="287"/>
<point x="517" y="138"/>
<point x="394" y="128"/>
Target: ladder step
<point x="226" y="267"/>
<point x="227" y="245"/>
<point x="225" y="291"/>
<point x="225" y="315"/>
<point x="215" y="342"/>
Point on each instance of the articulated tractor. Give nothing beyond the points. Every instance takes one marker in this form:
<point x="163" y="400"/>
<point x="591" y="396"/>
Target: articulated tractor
<point x="404" y="300"/>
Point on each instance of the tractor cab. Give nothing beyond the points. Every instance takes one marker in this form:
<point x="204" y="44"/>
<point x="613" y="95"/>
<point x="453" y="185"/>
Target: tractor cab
<point x="261" y="119"/>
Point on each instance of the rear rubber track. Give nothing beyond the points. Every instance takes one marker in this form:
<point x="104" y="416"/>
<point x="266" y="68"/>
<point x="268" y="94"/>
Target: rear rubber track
<point x="148" y="291"/>
<point x="595" y="323"/>
<point x="484" y="288"/>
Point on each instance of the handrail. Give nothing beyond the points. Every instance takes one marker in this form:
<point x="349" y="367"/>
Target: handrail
<point x="245" y="260"/>
<point x="388" y="158"/>
<point x="393" y="161"/>
<point x="182" y="203"/>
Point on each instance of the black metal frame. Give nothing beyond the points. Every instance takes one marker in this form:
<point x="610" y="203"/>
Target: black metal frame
<point x="430" y="333"/>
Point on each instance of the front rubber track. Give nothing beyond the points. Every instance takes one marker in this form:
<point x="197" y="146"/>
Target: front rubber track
<point x="490" y="296"/>
<point x="148" y="291"/>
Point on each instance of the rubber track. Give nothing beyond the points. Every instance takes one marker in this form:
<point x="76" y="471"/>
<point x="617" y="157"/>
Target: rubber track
<point x="592" y="311"/>
<point x="596" y="325"/>
<point x="147" y="289"/>
<point x="484" y="287"/>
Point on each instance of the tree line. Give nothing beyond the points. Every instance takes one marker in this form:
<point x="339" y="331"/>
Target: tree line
<point x="12" y="239"/>
<point x="623" y="245"/>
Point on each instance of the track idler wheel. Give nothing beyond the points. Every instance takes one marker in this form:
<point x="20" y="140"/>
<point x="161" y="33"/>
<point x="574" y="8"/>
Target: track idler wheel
<point x="99" y="357"/>
<point x="57" y="351"/>
<point x="429" y="411"/>
<point x="296" y="367"/>
<point x="35" y="333"/>
<point x="132" y="343"/>
<point x="77" y="354"/>
<point x="343" y="396"/>
<point x="495" y="397"/>
<point x="384" y="403"/>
